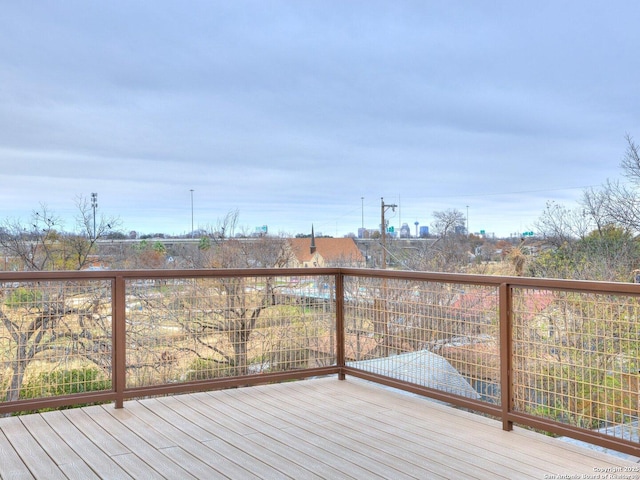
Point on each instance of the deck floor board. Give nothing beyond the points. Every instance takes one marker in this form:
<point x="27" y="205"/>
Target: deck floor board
<point x="318" y="428"/>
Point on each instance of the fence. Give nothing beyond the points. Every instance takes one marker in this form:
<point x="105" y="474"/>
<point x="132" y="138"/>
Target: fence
<point x="560" y="356"/>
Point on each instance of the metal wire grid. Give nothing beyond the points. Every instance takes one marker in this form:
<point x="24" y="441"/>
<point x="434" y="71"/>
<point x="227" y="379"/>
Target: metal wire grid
<point x="576" y="359"/>
<point x="55" y="338"/>
<point x="439" y="335"/>
<point x="197" y="329"/>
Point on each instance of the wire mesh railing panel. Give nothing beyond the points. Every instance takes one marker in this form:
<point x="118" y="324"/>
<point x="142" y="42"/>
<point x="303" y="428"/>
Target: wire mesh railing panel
<point x="574" y="354"/>
<point x="55" y="338"/>
<point x="439" y="335"/>
<point x="576" y="359"/>
<point x="181" y="330"/>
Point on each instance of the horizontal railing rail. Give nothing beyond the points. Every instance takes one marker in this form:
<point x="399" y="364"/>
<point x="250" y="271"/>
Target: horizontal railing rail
<point x="556" y="355"/>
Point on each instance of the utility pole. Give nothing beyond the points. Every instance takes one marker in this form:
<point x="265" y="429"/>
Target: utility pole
<point x="383" y="208"/>
<point x="380" y="305"/>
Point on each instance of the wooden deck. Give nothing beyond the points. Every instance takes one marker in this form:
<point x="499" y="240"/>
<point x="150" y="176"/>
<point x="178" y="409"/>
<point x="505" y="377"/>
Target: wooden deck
<point x="321" y="428"/>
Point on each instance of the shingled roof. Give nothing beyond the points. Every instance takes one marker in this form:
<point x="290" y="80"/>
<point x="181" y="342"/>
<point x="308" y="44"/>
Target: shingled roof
<point x="333" y="251"/>
<point x="423" y="368"/>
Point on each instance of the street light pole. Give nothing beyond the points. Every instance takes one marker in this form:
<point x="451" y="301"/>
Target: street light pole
<point x="94" y="206"/>
<point x="467" y="220"/>
<point x="191" y="212"/>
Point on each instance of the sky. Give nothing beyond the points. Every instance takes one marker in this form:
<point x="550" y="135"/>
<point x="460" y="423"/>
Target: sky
<point x="301" y="113"/>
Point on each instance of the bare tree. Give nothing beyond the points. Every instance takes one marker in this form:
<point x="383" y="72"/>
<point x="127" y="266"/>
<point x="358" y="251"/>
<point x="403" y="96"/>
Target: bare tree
<point x="42" y="243"/>
<point x="586" y="243"/>
<point x="450" y="252"/>
<point x="618" y="203"/>
<point x="448" y="222"/>
<point x="231" y="307"/>
<point x="631" y="161"/>
<point x="595" y="240"/>
<point x="621" y="205"/>
<point x="33" y="244"/>
<point x="55" y="323"/>
<point x="90" y="230"/>
<point x="237" y="317"/>
<point x="594" y="204"/>
<point x="560" y="225"/>
<point x="59" y="320"/>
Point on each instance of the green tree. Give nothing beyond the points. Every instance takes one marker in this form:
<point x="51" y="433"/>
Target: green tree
<point x="609" y="254"/>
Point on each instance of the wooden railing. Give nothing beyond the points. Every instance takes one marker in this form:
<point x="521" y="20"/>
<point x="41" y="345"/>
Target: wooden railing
<point x="559" y="356"/>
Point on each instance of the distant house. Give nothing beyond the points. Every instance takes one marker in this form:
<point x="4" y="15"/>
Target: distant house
<point x="325" y="252"/>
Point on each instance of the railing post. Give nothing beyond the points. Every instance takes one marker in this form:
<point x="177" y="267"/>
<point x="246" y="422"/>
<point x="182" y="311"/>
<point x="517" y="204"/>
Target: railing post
<point x="119" y="335"/>
<point x="506" y="353"/>
<point x="340" y="339"/>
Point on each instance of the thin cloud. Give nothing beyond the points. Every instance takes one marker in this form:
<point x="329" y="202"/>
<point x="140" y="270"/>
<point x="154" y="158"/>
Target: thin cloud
<point x="291" y="112"/>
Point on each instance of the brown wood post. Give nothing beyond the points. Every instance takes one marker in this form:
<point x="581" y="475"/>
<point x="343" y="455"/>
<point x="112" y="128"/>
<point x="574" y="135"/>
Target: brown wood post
<point x="506" y="350"/>
<point x="340" y="338"/>
<point x="119" y="336"/>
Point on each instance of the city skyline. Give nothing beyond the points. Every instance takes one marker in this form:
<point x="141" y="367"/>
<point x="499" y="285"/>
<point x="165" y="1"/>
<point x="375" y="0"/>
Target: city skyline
<point x="393" y="217"/>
